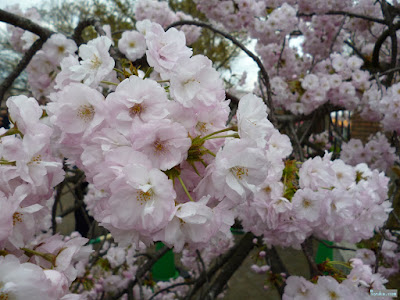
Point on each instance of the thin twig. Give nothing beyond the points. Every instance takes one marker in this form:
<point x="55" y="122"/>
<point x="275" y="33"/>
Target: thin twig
<point x="170" y="287"/>
<point x="141" y="272"/>
<point x="344" y="13"/>
<point x="54" y="208"/>
<point x="7" y="83"/>
<point x="264" y="73"/>
<point x="334" y="246"/>
<point x="336" y="35"/>
<point x="297" y="142"/>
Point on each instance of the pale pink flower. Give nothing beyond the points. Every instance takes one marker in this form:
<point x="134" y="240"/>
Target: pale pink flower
<point x="136" y="100"/>
<point x="239" y="168"/>
<point x="252" y="119"/>
<point x="96" y="63"/>
<point x="142" y="200"/>
<point x="191" y="223"/>
<point x="297" y="288"/>
<point x="194" y="79"/>
<point x="26" y="113"/>
<point x="58" y="46"/>
<point x="22" y="281"/>
<point x="77" y="109"/>
<point x="132" y="44"/>
<point x="306" y="204"/>
<point x="165" y="48"/>
<point x="165" y="143"/>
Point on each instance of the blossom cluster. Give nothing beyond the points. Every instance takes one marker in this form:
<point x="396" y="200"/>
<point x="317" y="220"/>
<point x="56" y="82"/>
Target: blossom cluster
<point x="29" y="172"/>
<point x="377" y="152"/>
<point x="164" y="165"/>
<point x="161" y="13"/>
<point x="330" y="199"/>
<point x="111" y="274"/>
<point x="356" y="285"/>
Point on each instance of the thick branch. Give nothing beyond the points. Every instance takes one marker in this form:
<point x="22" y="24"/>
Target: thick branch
<point x="277" y="267"/>
<point x="25" y="23"/>
<point x="345" y="13"/>
<point x="77" y="35"/>
<point x="379" y="42"/>
<point x="307" y="248"/>
<point x="7" y="83"/>
<point x="245" y="246"/>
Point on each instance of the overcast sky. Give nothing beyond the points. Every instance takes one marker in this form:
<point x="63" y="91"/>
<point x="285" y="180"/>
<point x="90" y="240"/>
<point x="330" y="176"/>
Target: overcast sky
<point x="22" y="3"/>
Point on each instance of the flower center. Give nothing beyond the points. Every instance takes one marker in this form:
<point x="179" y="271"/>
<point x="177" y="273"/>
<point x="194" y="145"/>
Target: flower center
<point x="86" y="113"/>
<point x="333" y="295"/>
<point x="158" y="147"/>
<point x="17" y="218"/>
<point x="202" y="127"/>
<point x="96" y="62"/>
<point x="143" y="197"/>
<point x="61" y="49"/>
<point x="240" y="172"/>
<point x="306" y="203"/>
<point x="36" y="159"/>
<point x="135" y="110"/>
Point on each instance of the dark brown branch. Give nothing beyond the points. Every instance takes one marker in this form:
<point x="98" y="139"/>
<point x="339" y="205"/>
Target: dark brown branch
<point x="345" y="13"/>
<point x="54" y="208"/>
<point x="77" y="35"/>
<point x="25" y="24"/>
<point x="333" y="246"/>
<point x="264" y="73"/>
<point x="141" y="272"/>
<point x="245" y="246"/>
<point x="7" y="83"/>
<point x="277" y="267"/>
<point x="170" y="287"/>
<point x="379" y="42"/>
<point x="214" y="268"/>
<point x="306" y="246"/>
<point x="71" y="209"/>
<point x="296" y="142"/>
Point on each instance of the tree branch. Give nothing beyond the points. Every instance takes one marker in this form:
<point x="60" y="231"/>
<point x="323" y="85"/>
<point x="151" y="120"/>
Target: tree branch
<point x="7" y="83"/>
<point x="141" y="272"/>
<point x="245" y="246"/>
<point x="345" y="13"/>
<point x="25" y="24"/>
<point x="264" y="73"/>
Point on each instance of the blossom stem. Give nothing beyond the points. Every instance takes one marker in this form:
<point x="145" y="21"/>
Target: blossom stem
<point x="339" y="264"/>
<point x="235" y="135"/>
<point x="184" y="188"/>
<point x="3" y="252"/>
<point x="47" y="256"/>
<point x="163" y="81"/>
<point x="108" y="82"/>
<point x="5" y="162"/>
<point x="119" y="71"/>
<point x="12" y="131"/>
<point x="234" y="128"/>
<point x="208" y="151"/>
